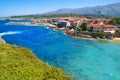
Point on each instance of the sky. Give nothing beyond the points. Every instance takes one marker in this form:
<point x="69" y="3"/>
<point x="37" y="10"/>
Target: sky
<point x="23" y="7"/>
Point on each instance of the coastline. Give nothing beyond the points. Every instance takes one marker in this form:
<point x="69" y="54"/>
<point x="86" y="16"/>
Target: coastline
<point x="58" y="71"/>
<point x="2" y="40"/>
<point x="83" y="36"/>
<point x="116" y="40"/>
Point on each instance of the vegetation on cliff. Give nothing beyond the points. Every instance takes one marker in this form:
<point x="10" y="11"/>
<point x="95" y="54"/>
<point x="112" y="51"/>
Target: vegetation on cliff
<point x="20" y="64"/>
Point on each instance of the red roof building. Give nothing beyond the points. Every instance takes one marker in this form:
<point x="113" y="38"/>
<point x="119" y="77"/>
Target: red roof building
<point x="102" y="28"/>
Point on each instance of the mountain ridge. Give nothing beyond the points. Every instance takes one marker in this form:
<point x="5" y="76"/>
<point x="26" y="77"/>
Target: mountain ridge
<point x="109" y="10"/>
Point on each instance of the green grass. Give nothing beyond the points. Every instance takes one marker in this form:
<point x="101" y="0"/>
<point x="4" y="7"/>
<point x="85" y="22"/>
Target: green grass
<point x="20" y="64"/>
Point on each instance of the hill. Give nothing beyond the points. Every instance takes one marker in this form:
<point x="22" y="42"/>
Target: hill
<point x="108" y="10"/>
<point x="20" y="64"/>
<point x="111" y="10"/>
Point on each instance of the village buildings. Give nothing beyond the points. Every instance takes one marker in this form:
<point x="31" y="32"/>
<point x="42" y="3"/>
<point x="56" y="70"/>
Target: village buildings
<point x="97" y="25"/>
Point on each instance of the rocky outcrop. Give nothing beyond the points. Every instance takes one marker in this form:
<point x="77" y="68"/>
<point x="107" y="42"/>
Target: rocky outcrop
<point x="1" y="40"/>
<point x="95" y="35"/>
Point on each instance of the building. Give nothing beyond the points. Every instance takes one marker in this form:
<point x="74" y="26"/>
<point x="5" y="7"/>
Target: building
<point x="83" y="20"/>
<point x="62" y="24"/>
<point x="102" y="28"/>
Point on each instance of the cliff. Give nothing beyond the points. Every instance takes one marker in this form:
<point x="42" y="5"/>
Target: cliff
<point x="20" y="64"/>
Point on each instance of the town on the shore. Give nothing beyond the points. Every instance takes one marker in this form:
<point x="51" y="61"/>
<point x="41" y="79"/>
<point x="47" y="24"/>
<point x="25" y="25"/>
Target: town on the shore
<point x="97" y="28"/>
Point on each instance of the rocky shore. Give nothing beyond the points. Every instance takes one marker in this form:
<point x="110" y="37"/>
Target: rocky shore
<point x="2" y="41"/>
<point x="86" y="35"/>
<point x="90" y="35"/>
<point x="92" y="38"/>
<point x="24" y="23"/>
<point x="34" y="23"/>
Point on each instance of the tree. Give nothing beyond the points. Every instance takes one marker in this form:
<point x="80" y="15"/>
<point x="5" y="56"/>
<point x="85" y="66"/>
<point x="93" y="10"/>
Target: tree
<point x="78" y="29"/>
<point x="113" y="21"/>
<point x="84" y="27"/>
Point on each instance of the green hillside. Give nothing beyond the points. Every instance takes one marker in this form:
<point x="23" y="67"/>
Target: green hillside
<point x="20" y="64"/>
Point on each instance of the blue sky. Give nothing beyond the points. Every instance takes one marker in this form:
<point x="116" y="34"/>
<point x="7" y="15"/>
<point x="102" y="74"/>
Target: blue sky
<point x="21" y="7"/>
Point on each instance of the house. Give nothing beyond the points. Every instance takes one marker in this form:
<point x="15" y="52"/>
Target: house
<point x="100" y="21"/>
<point x="63" y="23"/>
<point x="110" y="28"/>
<point x="84" y="20"/>
<point x="102" y="28"/>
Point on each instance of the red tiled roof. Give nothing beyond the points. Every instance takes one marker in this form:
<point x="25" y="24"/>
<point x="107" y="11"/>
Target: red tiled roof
<point x="98" y="25"/>
<point x="95" y="25"/>
<point x="112" y="26"/>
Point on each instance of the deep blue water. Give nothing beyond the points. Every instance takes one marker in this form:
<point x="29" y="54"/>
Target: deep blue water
<point x="80" y="58"/>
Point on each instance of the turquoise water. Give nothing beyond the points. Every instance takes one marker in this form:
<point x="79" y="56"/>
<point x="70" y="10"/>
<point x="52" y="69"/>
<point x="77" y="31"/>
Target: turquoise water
<point x="80" y="58"/>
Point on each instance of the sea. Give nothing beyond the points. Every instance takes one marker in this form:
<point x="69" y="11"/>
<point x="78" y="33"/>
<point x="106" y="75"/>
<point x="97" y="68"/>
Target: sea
<point x="82" y="59"/>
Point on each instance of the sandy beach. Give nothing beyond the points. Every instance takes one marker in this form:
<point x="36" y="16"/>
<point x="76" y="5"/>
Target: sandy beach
<point x="116" y="39"/>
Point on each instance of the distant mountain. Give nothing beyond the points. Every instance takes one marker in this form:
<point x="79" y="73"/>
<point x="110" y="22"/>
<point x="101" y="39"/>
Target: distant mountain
<point x="109" y="10"/>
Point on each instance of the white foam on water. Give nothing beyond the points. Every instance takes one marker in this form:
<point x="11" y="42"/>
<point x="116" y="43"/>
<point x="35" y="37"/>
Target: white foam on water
<point x="47" y="27"/>
<point x="54" y="30"/>
<point x="10" y="33"/>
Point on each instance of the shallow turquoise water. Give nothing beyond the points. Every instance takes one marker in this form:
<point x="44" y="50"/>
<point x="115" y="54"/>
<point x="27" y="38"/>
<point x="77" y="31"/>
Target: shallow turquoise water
<point x="80" y="58"/>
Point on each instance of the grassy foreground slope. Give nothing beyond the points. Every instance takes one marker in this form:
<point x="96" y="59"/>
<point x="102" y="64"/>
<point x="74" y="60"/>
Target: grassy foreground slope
<point x="20" y="64"/>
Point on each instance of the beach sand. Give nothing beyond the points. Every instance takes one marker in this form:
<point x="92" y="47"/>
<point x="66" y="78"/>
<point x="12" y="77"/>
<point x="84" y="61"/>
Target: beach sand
<point x="116" y="39"/>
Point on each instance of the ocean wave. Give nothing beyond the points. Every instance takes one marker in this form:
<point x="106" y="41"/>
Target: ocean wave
<point x="10" y="33"/>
